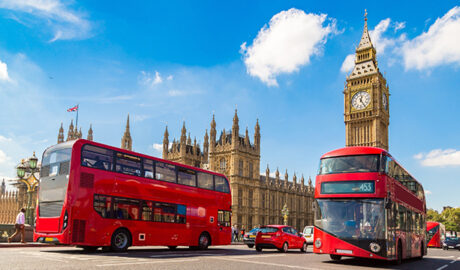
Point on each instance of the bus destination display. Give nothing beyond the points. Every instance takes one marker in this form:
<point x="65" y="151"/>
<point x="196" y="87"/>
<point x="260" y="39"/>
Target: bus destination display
<point x="345" y="187"/>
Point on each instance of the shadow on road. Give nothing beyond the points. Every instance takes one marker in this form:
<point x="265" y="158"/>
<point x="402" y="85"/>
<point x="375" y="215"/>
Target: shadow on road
<point x="414" y="263"/>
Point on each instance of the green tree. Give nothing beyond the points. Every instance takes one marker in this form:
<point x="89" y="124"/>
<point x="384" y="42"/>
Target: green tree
<point x="432" y="215"/>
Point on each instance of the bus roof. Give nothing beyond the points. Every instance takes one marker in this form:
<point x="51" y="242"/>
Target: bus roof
<point x="354" y="150"/>
<point x="83" y="141"/>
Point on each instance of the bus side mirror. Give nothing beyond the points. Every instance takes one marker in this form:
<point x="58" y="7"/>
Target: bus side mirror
<point x="388" y="203"/>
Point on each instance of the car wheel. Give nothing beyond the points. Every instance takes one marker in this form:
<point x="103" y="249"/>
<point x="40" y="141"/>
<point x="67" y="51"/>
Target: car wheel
<point x="121" y="240"/>
<point x="284" y="248"/>
<point x="172" y="247"/>
<point x="335" y="257"/>
<point x="250" y="246"/>
<point x="203" y="241"/>
<point x="259" y="249"/>
<point x="304" y="247"/>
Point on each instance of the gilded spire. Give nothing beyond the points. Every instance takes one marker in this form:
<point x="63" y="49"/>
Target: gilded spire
<point x="365" y="41"/>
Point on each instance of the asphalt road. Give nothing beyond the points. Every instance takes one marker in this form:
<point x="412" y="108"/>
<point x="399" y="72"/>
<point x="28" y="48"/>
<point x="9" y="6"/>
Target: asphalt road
<point x="223" y="257"/>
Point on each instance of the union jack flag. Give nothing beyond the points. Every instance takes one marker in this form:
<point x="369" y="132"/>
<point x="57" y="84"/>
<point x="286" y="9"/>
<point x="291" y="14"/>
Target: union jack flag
<point x="73" y="109"/>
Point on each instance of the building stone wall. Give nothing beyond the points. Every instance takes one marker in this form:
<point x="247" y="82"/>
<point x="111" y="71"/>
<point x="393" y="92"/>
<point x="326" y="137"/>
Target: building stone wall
<point x="256" y="199"/>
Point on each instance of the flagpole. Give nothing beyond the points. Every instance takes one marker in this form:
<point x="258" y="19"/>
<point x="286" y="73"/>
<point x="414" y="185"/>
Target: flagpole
<point x="76" y="122"/>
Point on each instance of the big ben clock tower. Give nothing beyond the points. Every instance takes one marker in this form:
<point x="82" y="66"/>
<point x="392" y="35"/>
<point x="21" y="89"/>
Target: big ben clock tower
<point x="366" y="96"/>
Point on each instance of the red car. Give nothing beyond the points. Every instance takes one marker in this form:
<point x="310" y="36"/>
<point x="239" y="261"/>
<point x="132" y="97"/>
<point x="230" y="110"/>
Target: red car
<point x="280" y="237"/>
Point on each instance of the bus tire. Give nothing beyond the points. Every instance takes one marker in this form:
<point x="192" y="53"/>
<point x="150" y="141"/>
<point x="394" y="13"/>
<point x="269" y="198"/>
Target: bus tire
<point x="204" y="241"/>
<point x="284" y="248"/>
<point x="421" y="252"/>
<point x="121" y="240"/>
<point x="259" y="249"/>
<point x="335" y="257"/>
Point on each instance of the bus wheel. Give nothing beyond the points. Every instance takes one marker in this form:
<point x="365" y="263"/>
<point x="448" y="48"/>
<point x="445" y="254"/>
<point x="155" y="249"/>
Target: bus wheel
<point x="172" y="247"/>
<point x="203" y="241"/>
<point x="121" y="240"/>
<point x="89" y="249"/>
<point x="259" y="249"/>
<point x="304" y="247"/>
<point x="284" y="248"/>
<point x="335" y="257"/>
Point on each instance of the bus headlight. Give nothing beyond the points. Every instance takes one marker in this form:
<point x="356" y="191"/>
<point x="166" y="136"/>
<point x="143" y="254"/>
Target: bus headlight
<point x="66" y="217"/>
<point x="374" y="247"/>
<point x="318" y="243"/>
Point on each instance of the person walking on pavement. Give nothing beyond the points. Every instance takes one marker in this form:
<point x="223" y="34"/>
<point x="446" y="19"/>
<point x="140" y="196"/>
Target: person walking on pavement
<point x="242" y="232"/>
<point x="19" y="226"/>
<point x="235" y="233"/>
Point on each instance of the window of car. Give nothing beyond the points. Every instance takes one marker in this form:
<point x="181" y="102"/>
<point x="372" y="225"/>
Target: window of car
<point x="286" y="230"/>
<point x="268" y="230"/>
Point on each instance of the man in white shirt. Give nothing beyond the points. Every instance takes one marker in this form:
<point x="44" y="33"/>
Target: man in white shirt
<point x="20" y="227"/>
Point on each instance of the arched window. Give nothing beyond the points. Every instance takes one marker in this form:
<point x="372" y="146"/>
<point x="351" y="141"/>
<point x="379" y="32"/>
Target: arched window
<point x="223" y="164"/>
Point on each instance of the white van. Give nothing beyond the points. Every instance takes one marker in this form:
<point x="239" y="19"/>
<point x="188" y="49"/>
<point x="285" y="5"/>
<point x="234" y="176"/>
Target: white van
<point x="308" y="234"/>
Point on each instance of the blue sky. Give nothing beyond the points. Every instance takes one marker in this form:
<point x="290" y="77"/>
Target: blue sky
<point x="282" y="62"/>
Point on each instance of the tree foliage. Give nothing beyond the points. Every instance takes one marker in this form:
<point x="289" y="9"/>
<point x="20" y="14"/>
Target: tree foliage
<point x="450" y="217"/>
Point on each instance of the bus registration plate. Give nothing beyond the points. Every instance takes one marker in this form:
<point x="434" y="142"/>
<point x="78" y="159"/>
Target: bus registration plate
<point x="344" y="251"/>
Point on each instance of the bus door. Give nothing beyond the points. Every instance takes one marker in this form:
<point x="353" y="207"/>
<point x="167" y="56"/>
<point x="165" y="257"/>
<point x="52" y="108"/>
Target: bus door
<point x="224" y="229"/>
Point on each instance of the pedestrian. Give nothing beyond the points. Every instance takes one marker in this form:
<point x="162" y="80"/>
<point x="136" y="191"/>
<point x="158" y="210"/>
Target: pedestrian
<point x="19" y="226"/>
<point x="242" y="232"/>
<point x="235" y="232"/>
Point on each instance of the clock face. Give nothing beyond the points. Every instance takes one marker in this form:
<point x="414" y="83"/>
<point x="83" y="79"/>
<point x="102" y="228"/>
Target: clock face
<point x="360" y="100"/>
<point x="384" y="101"/>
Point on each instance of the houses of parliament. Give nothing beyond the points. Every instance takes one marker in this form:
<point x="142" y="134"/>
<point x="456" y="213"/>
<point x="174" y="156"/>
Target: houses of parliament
<point x="258" y="199"/>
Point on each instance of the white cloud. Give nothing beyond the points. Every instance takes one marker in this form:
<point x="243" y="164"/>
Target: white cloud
<point x="399" y="25"/>
<point x="3" y="157"/>
<point x="348" y="63"/>
<point x="158" y="147"/>
<point x="439" y="158"/>
<point x="65" y="22"/>
<point x="4" y="72"/>
<point x="438" y="46"/>
<point x="288" y="42"/>
<point x="149" y="79"/>
<point x="5" y="139"/>
<point x="427" y="192"/>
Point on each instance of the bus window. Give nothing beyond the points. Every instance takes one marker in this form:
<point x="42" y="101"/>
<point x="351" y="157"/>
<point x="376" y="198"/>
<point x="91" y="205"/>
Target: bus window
<point x="221" y="184"/>
<point x="224" y="218"/>
<point x="165" y="212"/>
<point x="128" y="164"/>
<point x="348" y="164"/>
<point x="186" y="176"/>
<point x="165" y="172"/>
<point x="146" y="211"/>
<point x="126" y="208"/>
<point x="205" y="180"/>
<point x="181" y="213"/>
<point x="102" y="205"/>
<point x="97" y="157"/>
<point x="149" y="168"/>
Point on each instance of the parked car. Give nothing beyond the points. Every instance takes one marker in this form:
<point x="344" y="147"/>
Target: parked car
<point x="451" y="243"/>
<point x="279" y="237"/>
<point x="250" y="237"/>
<point x="308" y="234"/>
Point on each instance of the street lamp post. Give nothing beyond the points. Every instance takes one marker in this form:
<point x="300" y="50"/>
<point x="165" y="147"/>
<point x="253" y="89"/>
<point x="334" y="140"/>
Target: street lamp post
<point x="285" y="213"/>
<point x="26" y="171"/>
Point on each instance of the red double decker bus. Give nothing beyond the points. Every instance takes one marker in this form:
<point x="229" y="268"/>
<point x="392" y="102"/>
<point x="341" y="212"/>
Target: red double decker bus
<point x="93" y="195"/>
<point x="368" y="206"/>
<point x="436" y="232"/>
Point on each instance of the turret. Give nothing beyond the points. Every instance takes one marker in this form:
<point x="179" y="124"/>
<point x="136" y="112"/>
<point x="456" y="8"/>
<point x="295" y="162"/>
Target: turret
<point x="90" y="133"/>
<point x="257" y="136"/>
<point x="246" y="138"/>
<point x="70" y="132"/>
<point x="61" y="134"/>
<point x="235" y="131"/>
<point x="277" y="177"/>
<point x="294" y="180"/>
<point x="267" y="175"/>
<point x="286" y="179"/>
<point x="212" y="134"/>
<point x="206" y="147"/>
<point x="126" y="141"/>
<point x="183" y="139"/>
<point x="165" y="143"/>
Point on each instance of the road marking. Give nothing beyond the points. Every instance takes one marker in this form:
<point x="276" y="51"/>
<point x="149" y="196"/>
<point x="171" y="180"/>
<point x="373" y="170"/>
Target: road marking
<point x="146" y="262"/>
<point x="439" y="257"/>
<point x="252" y="256"/>
<point x="182" y="255"/>
<point x="264" y="263"/>
<point x="442" y="267"/>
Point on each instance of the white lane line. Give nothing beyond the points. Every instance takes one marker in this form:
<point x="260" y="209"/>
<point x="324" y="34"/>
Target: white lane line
<point x="439" y="257"/>
<point x="252" y="256"/>
<point x="146" y="262"/>
<point x="442" y="267"/>
<point x="265" y="263"/>
<point x="182" y="255"/>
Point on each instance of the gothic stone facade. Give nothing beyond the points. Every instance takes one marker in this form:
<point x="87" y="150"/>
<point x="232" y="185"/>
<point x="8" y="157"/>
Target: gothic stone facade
<point x="256" y="199"/>
<point x="366" y="98"/>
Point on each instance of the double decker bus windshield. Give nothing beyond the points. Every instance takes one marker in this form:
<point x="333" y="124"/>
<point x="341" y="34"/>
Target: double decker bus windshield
<point x="351" y="218"/>
<point x="349" y="164"/>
